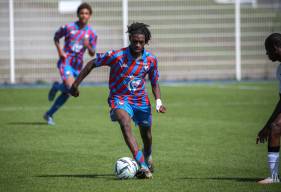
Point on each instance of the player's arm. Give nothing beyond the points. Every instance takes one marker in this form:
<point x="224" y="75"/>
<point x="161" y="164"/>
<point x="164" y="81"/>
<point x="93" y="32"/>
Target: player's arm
<point x="59" y="34"/>
<point x="84" y="73"/>
<point x="153" y="77"/>
<point x="91" y="50"/>
<point x="157" y="96"/>
<point x="264" y="132"/>
<point x="90" y="44"/>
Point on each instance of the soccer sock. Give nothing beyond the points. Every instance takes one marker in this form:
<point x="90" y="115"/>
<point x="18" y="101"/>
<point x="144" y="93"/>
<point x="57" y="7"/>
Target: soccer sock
<point x="61" y="87"/>
<point x="139" y="157"/>
<point x="147" y="154"/>
<point x="58" y="103"/>
<point x="273" y="161"/>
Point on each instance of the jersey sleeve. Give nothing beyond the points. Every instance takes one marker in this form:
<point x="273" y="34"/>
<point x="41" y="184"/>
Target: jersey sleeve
<point x="93" y="40"/>
<point x="104" y="59"/>
<point x="61" y="32"/>
<point x="153" y="72"/>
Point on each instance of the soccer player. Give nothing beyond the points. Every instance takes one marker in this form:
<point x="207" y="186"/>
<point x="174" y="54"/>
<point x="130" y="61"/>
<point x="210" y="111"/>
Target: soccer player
<point x="79" y="37"/>
<point x="128" y="98"/>
<point x="271" y="131"/>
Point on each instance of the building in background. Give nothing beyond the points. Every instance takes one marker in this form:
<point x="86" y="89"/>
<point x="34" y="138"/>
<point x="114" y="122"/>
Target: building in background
<point x="193" y="39"/>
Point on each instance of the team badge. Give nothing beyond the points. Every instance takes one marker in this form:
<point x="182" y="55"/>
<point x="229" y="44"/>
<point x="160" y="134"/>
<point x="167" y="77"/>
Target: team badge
<point x="145" y="67"/>
<point x="134" y="84"/>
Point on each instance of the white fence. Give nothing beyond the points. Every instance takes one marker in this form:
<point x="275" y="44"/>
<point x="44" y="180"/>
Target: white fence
<point x="193" y="39"/>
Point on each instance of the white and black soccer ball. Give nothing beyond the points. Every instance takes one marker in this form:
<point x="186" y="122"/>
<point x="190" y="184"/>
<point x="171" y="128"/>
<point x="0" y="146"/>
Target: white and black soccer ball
<point x="126" y="168"/>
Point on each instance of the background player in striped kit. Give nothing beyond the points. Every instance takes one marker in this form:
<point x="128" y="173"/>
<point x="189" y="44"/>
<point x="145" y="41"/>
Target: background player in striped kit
<point x="79" y="37"/>
<point x="272" y="129"/>
<point x="128" y="98"/>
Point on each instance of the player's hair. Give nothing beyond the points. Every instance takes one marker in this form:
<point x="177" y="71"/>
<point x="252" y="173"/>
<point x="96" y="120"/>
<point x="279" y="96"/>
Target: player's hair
<point x="273" y="40"/>
<point x="84" y="6"/>
<point x="140" y="28"/>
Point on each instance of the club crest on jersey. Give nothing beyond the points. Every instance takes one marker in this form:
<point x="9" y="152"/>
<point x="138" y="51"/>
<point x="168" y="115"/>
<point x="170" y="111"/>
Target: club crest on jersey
<point x="134" y="84"/>
<point x="146" y="67"/>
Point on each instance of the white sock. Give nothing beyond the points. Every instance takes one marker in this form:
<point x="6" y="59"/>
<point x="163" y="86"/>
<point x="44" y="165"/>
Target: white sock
<point x="273" y="163"/>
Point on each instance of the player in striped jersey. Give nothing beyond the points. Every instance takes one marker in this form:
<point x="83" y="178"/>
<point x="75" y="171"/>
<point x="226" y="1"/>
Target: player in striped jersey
<point x="128" y="98"/>
<point x="79" y="37"/>
<point x="271" y="131"/>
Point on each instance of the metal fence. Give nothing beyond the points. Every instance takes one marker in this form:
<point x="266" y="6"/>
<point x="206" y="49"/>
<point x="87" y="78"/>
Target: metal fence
<point x="193" y="39"/>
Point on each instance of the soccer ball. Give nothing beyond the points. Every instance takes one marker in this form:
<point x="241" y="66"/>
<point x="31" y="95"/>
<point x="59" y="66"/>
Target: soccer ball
<point x="126" y="168"/>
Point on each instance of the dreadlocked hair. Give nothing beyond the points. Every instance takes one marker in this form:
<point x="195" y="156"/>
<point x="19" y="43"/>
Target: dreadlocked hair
<point x="140" y="28"/>
<point x="273" y="40"/>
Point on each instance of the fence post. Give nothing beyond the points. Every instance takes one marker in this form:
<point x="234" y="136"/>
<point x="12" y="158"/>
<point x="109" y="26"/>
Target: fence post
<point x="237" y="40"/>
<point x="125" y="22"/>
<point x="12" y="42"/>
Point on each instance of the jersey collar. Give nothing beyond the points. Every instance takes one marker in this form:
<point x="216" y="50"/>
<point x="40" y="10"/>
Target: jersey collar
<point x="77" y="26"/>
<point x="130" y="57"/>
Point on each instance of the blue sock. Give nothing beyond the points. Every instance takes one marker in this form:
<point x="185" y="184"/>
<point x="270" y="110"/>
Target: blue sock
<point x="61" y="87"/>
<point x="147" y="153"/>
<point x="58" y="103"/>
<point x="140" y="159"/>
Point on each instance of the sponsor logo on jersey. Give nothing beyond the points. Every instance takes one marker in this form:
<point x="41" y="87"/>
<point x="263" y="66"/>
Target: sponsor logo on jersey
<point x="73" y="32"/>
<point x="124" y="65"/>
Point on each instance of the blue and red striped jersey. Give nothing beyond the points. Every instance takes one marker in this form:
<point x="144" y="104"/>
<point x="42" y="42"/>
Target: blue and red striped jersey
<point x="127" y="74"/>
<point x="74" y="38"/>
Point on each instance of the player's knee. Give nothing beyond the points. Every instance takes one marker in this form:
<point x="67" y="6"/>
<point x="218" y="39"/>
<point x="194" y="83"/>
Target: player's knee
<point x="149" y="136"/>
<point x="125" y="123"/>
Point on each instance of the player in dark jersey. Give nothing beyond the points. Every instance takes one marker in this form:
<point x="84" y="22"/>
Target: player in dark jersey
<point x="128" y="98"/>
<point x="271" y="131"/>
<point x="79" y="37"/>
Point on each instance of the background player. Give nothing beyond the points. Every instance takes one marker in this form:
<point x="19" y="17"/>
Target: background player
<point x="79" y="37"/>
<point x="272" y="129"/>
<point x="128" y="98"/>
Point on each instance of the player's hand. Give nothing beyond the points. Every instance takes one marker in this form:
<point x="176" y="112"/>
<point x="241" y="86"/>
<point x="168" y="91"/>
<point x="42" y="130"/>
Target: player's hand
<point x="86" y="41"/>
<point x="62" y="55"/>
<point x="74" y="91"/>
<point x="160" y="108"/>
<point x="262" y="136"/>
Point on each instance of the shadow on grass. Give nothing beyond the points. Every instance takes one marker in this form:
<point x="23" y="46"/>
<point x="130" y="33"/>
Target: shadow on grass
<point x="237" y="179"/>
<point x="27" y="123"/>
<point x="82" y="176"/>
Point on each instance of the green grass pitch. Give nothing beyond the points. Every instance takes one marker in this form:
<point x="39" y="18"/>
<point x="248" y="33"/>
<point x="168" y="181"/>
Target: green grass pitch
<point x="205" y="142"/>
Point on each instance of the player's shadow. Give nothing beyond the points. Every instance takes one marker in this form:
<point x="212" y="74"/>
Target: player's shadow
<point x="82" y="176"/>
<point x="237" y="179"/>
<point x="27" y="123"/>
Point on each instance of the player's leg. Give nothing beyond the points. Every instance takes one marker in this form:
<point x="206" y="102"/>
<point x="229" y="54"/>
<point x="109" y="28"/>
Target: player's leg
<point x="68" y="79"/>
<point x="143" y="118"/>
<point x="125" y="124"/>
<point x="124" y="121"/>
<point x="63" y="68"/>
<point x="146" y="136"/>
<point x="273" y="151"/>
